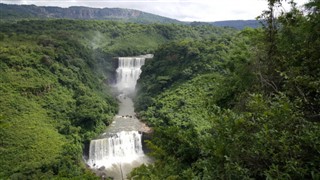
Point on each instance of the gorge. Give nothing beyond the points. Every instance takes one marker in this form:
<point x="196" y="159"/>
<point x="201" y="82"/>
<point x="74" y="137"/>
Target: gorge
<point x="222" y="103"/>
<point x="119" y="149"/>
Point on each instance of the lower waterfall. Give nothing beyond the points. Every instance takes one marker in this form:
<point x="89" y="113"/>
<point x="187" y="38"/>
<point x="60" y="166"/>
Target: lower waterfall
<point x="122" y="147"/>
<point x="119" y="149"/>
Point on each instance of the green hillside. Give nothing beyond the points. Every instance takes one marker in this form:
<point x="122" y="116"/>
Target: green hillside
<point x="51" y="102"/>
<point x="243" y="106"/>
<point x="54" y="88"/>
<point x="238" y="24"/>
<point x="222" y="103"/>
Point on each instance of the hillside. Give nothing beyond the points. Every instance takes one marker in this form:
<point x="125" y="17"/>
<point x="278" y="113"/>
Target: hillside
<point x="54" y="86"/>
<point x="238" y="24"/>
<point x="15" y="12"/>
<point x="222" y="103"/>
<point x="236" y="106"/>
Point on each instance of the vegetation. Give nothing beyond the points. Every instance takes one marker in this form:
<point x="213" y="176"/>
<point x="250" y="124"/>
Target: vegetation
<point x="238" y="24"/>
<point x="54" y="88"/>
<point x="242" y="106"/>
<point x="224" y="104"/>
<point x="51" y="102"/>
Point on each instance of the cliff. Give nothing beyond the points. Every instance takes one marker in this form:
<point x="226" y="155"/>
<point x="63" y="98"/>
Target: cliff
<point x="9" y="12"/>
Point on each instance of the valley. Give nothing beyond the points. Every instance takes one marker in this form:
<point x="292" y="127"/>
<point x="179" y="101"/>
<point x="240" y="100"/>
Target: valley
<point x="77" y="99"/>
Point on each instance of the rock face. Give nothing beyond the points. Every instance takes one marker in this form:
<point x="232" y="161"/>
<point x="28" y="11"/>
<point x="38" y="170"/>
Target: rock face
<point x="78" y="12"/>
<point x="89" y="13"/>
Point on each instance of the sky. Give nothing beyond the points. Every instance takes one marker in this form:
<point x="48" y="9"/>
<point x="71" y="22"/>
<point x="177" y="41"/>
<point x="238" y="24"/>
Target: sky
<point x="184" y="10"/>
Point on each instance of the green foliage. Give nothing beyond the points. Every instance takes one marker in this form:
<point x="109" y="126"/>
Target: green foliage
<point x="237" y="108"/>
<point x="223" y="104"/>
<point x="47" y="87"/>
<point x="115" y="38"/>
<point x="54" y="97"/>
<point x="177" y="62"/>
<point x="267" y="135"/>
<point x="28" y="140"/>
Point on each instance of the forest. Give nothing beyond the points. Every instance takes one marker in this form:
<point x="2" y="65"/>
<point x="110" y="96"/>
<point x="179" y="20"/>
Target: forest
<point x="223" y="103"/>
<point x="55" y="92"/>
<point x="237" y="106"/>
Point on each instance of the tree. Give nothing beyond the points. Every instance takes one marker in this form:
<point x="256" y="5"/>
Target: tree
<point x="268" y="63"/>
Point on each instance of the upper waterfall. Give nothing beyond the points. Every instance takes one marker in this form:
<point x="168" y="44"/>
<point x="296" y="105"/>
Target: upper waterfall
<point x="128" y="72"/>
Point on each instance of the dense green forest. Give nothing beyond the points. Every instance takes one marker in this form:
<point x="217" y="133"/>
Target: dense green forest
<point x="237" y="106"/>
<point x="55" y="93"/>
<point x="223" y="104"/>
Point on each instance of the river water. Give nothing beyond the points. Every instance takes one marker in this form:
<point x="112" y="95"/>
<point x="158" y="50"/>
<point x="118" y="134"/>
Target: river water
<point x="120" y="149"/>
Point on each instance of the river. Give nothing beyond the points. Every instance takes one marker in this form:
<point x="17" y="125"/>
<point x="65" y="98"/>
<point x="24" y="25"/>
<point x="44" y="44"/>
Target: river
<point x="120" y="148"/>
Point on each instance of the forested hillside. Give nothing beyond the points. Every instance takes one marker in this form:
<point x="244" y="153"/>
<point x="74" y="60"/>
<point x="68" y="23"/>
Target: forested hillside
<point x="222" y="103"/>
<point x="51" y="102"/>
<point x="242" y="106"/>
<point x="55" y="93"/>
<point x="238" y="24"/>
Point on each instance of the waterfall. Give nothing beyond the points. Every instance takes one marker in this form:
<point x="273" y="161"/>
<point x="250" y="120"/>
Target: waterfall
<point x="128" y="72"/>
<point x="121" y="147"/>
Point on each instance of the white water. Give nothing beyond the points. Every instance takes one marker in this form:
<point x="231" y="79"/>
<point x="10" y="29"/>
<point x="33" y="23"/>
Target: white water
<point x="119" y="149"/>
<point x="122" y="147"/>
<point x="128" y="72"/>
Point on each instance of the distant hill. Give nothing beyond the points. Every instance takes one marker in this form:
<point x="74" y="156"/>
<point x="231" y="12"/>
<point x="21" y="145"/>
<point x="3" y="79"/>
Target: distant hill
<point x="10" y="12"/>
<point x="238" y="24"/>
<point x="16" y="12"/>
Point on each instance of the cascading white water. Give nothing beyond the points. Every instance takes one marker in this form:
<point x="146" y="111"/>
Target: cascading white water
<point x="128" y="72"/>
<point x="122" y="147"/>
<point x="119" y="149"/>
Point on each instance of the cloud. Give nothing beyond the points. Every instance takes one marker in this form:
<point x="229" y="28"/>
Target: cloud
<point x="186" y="10"/>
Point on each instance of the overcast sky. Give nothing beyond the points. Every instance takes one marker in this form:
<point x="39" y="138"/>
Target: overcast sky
<point x="184" y="10"/>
